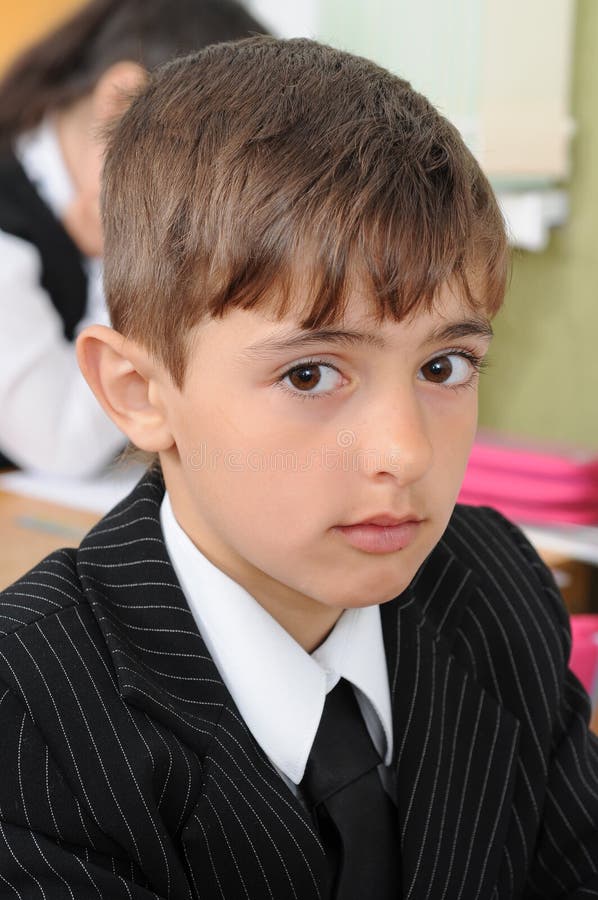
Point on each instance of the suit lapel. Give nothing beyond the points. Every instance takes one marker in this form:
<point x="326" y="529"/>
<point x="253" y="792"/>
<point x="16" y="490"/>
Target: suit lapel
<point x="245" y="812"/>
<point x="161" y="662"/>
<point x="248" y="815"/>
<point x="454" y="745"/>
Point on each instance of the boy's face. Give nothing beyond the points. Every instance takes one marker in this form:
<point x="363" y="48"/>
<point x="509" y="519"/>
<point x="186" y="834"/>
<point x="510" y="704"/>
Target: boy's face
<point x="285" y="442"/>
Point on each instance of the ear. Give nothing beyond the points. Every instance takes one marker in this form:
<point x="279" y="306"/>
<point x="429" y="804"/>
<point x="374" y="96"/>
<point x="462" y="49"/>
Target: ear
<point x="127" y="383"/>
<point x="115" y="90"/>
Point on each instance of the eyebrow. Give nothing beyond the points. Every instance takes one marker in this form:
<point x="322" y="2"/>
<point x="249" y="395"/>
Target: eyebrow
<point x="296" y="339"/>
<point x="341" y="337"/>
<point x="466" y="328"/>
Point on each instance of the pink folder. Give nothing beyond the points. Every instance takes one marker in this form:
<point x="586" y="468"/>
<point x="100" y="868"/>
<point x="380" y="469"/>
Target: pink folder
<point x="584" y="652"/>
<point x="532" y="482"/>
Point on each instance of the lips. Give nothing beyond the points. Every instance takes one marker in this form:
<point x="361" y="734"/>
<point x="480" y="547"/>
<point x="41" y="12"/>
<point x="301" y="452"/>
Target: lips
<point x="386" y="520"/>
<point x="382" y="533"/>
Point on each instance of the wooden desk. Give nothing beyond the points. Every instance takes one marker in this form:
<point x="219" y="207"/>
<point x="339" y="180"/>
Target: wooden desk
<point x="30" y="529"/>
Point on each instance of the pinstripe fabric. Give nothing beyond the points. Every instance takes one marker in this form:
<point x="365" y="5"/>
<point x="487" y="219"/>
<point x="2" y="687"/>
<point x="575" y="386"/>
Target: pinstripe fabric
<point x="127" y="772"/>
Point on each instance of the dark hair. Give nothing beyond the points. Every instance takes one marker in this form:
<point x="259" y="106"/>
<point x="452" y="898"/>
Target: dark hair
<point x="268" y="170"/>
<point x="67" y="63"/>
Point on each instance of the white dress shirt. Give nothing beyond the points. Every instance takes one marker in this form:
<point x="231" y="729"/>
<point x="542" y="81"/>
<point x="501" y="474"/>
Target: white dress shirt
<point x="49" y="419"/>
<point x="277" y="686"/>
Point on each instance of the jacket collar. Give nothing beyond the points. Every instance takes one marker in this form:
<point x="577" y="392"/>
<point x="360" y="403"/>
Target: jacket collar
<point x="161" y="661"/>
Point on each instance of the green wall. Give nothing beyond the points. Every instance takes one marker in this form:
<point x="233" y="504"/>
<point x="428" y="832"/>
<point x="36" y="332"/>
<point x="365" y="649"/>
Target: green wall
<point x="542" y="380"/>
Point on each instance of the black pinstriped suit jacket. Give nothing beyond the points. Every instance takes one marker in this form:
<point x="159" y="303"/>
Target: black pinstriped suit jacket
<point x="127" y="772"/>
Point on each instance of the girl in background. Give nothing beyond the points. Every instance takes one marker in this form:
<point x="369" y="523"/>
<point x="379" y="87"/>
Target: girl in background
<point x="55" y="101"/>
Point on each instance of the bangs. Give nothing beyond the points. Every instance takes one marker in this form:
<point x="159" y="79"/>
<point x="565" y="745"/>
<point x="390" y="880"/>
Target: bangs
<point x="402" y="245"/>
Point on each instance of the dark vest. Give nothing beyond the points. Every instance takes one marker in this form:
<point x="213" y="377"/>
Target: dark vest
<point x="24" y="214"/>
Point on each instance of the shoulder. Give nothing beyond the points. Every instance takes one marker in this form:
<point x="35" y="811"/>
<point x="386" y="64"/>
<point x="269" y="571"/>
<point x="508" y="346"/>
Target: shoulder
<point x="50" y="631"/>
<point x="36" y="612"/>
<point x="50" y="587"/>
<point x="46" y="628"/>
<point x="503" y="560"/>
<point x="513" y="630"/>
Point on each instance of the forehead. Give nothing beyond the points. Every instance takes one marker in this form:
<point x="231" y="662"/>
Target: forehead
<point x="259" y="334"/>
<point x="311" y="297"/>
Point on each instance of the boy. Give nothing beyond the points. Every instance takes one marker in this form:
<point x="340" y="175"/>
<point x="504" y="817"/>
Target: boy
<point x="302" y="260"/>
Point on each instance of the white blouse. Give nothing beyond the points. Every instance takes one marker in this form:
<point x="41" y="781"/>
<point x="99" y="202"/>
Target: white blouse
<point x="49" y="419"/>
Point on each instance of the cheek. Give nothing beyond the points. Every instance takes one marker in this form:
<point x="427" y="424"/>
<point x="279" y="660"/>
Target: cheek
<point x="257" y="490"/>
<point x="271" y="497"/>
<point x="244" y="448"/>
<point x="454" y="427"/>
<point x="270" y="521"/>
<point x="453" y="441"/>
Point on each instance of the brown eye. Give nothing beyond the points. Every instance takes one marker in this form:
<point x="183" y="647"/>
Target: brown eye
<point x="438" y="370"/>
<point x="452" y="369"/>
<point x="305" y="378"/>
<point x="312" y="379"/>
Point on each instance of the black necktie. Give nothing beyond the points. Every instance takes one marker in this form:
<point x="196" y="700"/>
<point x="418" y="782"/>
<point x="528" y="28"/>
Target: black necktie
<point x="356" y="818"/>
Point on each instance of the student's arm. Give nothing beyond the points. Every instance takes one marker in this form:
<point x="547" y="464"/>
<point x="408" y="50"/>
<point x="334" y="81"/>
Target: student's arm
<point x="50" y="845"/>
<point x="49" y="418"/>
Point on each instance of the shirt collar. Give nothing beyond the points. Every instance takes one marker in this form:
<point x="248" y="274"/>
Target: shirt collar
<point x="355" y="650"/>
<point x="39" y="153"/>
<point x="280" y="690"/>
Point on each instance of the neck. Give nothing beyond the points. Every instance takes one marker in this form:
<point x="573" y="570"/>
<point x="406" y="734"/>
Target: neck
<point x="305" y="619"/>
<point x="308" y="621"/>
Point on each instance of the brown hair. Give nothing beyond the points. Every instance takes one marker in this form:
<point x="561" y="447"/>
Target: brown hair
<point x="67" y="63"/>
<point x="249" y="166"/>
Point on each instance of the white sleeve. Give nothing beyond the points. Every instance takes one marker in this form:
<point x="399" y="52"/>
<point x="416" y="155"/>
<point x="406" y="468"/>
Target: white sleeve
<point x="49" y="417"/>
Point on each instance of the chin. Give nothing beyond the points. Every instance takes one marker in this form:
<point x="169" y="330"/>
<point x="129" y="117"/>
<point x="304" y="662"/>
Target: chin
<point x="374" y="596"/>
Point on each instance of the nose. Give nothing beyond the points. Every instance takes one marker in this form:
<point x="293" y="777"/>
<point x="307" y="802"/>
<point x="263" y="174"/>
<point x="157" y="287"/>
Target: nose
<point x="396" y="439"/>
